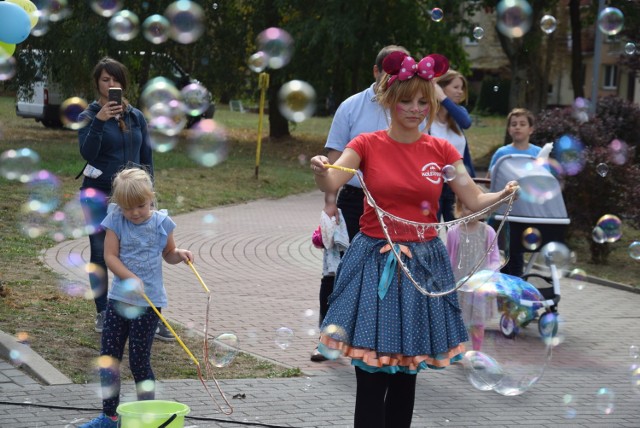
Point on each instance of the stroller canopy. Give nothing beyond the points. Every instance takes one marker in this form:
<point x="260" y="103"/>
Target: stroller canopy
<point x="540" y="198"/>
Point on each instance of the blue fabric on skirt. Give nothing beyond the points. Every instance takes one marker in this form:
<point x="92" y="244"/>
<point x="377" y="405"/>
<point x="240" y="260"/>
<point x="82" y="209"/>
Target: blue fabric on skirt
<point x="406" y="321"/>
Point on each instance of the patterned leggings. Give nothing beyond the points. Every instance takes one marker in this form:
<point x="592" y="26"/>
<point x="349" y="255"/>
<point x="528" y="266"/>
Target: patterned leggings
<point x="140" y="330"/>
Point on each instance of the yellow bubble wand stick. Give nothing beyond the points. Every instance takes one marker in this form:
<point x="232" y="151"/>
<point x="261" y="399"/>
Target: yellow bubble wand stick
<point x="341" y="168"/>
<point x="199" y="277"/>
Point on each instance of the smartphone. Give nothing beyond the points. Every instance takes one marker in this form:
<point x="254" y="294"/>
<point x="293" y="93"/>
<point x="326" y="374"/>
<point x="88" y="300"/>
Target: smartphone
<point x="115" y="94"/>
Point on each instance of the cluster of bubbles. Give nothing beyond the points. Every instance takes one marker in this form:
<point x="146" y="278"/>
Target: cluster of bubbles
<point x="607" y="229"/>
<point x="182" y="21"/>
<point x="275" y="49"/>
<point x="296" y="98"/>
<point x="44" y="212"/>
<point x="168" y="109"/>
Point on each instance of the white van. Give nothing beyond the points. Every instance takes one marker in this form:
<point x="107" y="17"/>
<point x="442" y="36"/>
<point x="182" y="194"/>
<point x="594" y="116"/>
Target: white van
<point x="44" y="103"/>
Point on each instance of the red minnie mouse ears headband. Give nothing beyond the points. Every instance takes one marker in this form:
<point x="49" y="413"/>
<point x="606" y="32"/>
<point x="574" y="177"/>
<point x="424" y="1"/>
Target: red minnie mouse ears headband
<point x="402" y="67"/>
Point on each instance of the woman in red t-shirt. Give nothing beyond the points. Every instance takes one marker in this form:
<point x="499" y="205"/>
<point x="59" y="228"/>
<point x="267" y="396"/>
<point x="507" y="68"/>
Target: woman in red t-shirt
<point x="386" y="326"/>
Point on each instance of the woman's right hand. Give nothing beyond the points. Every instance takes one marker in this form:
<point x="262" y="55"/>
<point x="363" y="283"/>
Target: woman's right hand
<point x="109" y="109"/>
<point x="318" y="165"/>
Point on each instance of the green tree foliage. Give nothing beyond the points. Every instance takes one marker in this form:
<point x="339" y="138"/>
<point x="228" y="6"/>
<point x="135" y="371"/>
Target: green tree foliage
<point x="336" y="42"/>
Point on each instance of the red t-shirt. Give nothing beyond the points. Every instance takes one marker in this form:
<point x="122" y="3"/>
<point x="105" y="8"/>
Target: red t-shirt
<point x="403" y="179"/>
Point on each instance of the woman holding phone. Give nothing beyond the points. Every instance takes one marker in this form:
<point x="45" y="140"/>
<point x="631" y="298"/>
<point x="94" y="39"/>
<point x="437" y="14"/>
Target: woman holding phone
<point x="115" y="135"/>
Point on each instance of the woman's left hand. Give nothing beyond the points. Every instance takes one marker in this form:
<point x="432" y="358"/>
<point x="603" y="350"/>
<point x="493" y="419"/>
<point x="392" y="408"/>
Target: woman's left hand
<point x="510" y="188"/>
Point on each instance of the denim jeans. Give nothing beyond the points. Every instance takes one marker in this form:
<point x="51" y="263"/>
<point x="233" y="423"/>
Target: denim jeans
<point x="95" y="210"/>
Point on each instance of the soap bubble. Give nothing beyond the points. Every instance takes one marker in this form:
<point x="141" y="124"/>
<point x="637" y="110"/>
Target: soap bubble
<point x="158" y="91"/>
<point x="333" y="338"/>
<point x="548" y="24"/>
<point x="258" y="61"/>
<point x="297" y="100"/>
<point x="156" y="29"/>
<point x="611" y="227"/>
<point x="605" y="401"/>
<point x="478" y="33"/>
<point x="570" y="154"/>
<point x="7" y="67"/>
<point x="514" y="18"/>
<point x="618" y="151"/>
<point x="556" y="253"/>
<point x="630" y="48"/>
<point x="70" y="110"/>
<point x="186" y="20"/>
<point x="124" y="26"/>
<point x="602" y="169"/>
<point x="19" y="164"/>
<point x="634" y="250"/>
<point x="449" y="173"/>
<point x="610" y="21"/>
<point x="223" y="350"/>
<point x="531" y="238"/>
<point x="437" y="14"/>
<point x="509" y="358"/>
<point x="207" y="143"/>
<point x="284" y="336"/>
<point x="277" y="44"/>
<point x="196" y="99"/>
<point x="106" y="8"/>
<point x="44" y="192"/>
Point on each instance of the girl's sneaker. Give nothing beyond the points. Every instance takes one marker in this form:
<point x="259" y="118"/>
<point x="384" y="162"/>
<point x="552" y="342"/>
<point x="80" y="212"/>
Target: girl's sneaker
<point x="102" y="421"/>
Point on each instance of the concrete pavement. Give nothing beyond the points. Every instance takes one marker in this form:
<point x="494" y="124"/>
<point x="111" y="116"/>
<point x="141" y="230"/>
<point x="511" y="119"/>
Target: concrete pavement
<point x="264" y="274"/>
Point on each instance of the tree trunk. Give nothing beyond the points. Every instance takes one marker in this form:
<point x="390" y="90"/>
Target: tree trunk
<point x="278" y="124"/>
<point x="577" y="74"/>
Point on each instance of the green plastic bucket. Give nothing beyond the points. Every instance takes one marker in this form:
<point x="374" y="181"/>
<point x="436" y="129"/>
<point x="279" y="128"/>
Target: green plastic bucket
<point x="152" y="414"/>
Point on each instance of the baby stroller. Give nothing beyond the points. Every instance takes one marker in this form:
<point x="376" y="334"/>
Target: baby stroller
<point x="540" y="206"/>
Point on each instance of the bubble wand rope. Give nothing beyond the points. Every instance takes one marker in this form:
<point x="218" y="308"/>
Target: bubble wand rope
<point x="421" y="227"/>
<point x="205" y="346"/>
<point x="195" y="360"/>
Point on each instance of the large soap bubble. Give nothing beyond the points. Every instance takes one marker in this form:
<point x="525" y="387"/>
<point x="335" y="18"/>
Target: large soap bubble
<point x="514" y="18"/>
<point x="610" y="21"/>
<point x="508" y="357"/>
<point x="297" y="100"/>
<point x="186" y="19"/>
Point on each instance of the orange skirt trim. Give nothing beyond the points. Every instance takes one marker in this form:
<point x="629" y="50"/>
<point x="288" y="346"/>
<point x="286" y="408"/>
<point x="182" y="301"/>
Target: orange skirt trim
<point x="377" y="359"/>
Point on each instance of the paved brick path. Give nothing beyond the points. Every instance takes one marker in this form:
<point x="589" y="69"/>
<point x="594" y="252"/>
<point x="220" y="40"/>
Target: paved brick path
<point x="259" y="263"/>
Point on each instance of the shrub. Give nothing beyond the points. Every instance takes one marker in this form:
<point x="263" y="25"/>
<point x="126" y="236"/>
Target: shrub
<point x="587" y="194"/>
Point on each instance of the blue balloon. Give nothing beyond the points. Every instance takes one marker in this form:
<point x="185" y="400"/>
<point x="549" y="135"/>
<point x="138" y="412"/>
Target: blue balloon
<point x="15" y="24"/>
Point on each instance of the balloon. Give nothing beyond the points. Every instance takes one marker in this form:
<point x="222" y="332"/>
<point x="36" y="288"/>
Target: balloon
<point x="6" y="49"/>
<point x="15" y="24"/>
<point x="28" y="7"/>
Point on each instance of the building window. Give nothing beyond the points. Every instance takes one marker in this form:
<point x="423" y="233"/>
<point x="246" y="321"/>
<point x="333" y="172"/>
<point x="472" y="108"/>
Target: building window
<point x="610" y="77"/>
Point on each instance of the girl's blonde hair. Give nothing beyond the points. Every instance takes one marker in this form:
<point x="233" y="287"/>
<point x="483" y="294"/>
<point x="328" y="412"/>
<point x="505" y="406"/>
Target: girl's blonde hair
<point x="132" y="187"/>
<point x="388" y="97"/>
<point x="444" y="81"/>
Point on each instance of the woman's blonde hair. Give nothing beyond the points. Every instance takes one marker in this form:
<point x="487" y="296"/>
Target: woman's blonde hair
<point x="403" y="89"/>
<point x="132" y="187"/>
<point x="444" y="81"/>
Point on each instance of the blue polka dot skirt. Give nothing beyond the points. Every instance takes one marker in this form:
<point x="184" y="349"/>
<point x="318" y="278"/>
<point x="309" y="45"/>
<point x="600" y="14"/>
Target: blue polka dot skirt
<point x="404" y="331"/>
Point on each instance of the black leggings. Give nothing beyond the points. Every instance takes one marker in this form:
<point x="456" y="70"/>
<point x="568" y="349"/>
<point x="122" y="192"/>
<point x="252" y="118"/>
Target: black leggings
<point x="384" y="400"/>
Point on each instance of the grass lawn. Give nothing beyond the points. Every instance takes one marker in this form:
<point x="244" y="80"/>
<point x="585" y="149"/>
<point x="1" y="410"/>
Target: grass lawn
<point x="31" y="302"/>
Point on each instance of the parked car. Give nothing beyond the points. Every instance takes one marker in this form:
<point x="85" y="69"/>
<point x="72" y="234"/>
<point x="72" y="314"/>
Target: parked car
<point x="42" y="98"/>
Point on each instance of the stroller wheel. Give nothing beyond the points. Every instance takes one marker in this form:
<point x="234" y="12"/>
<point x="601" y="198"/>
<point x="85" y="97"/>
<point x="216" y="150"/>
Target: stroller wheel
<point x="508" y="326"/>
<point x="548" y="325"/>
